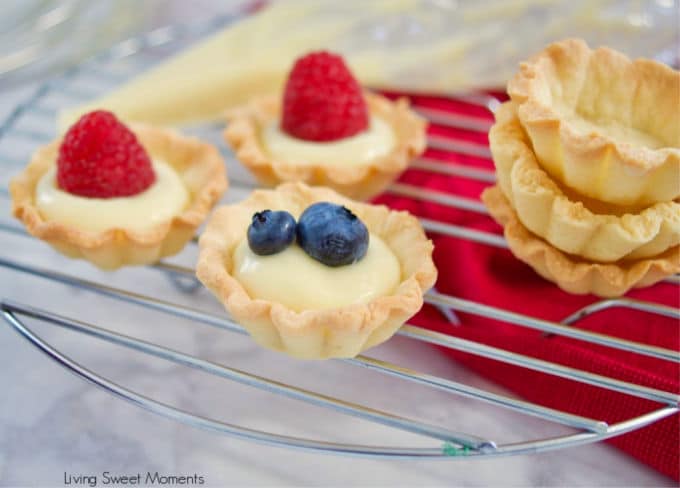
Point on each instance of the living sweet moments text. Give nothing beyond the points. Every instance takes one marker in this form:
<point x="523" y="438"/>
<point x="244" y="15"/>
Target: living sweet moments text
<point x="149" y="478"/>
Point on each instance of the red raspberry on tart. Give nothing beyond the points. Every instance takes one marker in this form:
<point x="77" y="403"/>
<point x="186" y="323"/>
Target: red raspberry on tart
<point x="118" y="195"/>
<point x="100" y="157"/>
<point x="325" y="130"/>
<point x="322" y="100"/>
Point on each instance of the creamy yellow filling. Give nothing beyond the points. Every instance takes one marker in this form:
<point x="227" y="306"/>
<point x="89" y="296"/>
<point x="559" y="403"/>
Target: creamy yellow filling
<point x="165" y="198"/>
<point x="378" y="140"/>
<point x="299" y="282"/>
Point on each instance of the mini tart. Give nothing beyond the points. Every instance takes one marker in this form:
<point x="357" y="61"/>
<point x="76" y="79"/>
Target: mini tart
<point x="569" y="225"/>
<point x="317" y="334"/>
<point x="200" y="168"/>
<point x="601" y="124"/>
<point x="571" y="273"/>
<point x="360" y="182"/>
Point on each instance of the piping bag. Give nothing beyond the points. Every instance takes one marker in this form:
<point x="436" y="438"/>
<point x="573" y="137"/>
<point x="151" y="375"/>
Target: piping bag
<point x="417" y="46"/>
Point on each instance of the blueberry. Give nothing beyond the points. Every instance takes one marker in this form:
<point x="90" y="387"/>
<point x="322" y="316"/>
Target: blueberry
<point x="332" y="234"/>
<point x="271" y="232"/>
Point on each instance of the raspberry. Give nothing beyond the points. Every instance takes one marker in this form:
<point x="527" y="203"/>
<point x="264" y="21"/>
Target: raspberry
<point x="99" y="157"/>
<point x="322" y="100"/>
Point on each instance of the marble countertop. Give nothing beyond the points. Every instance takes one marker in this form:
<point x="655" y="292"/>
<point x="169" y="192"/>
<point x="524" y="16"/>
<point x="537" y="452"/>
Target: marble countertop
<point x="58" y="430"/>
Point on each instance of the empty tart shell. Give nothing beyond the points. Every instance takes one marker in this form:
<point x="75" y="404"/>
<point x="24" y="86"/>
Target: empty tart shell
<point x="572" y="273"/>
<point x="582" y="228"/>
<point x="601" y="124"/>
<point x="357" y="181"/>
<point x="200" y="168"/>
<point x="317" y="334"/>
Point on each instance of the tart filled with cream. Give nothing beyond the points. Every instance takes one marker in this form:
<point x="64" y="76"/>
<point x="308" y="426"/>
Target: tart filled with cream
<point x="116" y="195"/>
<point x="325" y="130"/>
<point x="313" y="274"/>
<point x="601" y="124"/>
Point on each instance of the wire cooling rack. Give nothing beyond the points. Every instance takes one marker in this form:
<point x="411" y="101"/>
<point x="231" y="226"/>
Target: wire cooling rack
<point x="32" y="124"/>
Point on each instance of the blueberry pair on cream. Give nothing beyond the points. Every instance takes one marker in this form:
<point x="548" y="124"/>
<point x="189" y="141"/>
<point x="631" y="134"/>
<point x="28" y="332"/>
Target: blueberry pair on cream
<point x="327" y="232"/>
<point x="316" y="275"/>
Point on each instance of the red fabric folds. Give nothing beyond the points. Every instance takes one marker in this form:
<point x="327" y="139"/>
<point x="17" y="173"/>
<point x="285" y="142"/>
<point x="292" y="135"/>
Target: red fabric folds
<point x="493" y="276"/>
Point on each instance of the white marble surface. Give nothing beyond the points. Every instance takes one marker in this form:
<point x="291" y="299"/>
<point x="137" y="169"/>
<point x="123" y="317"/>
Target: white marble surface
<point x="52" y="422"/>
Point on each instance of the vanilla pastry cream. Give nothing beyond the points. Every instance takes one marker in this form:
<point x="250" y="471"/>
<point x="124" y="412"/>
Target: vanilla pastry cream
<point x="299" y="282"/>
<point x="165" y="198"/>
<point x="378" y="140"/>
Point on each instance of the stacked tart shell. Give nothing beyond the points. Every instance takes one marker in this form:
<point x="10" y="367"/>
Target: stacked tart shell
<point x="587" y="155"/>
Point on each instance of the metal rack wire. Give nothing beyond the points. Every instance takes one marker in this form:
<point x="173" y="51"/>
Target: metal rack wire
<point x="26" y="128"/>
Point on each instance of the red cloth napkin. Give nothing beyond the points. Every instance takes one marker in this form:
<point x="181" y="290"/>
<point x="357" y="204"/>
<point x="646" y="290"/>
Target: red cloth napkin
<point x="493" y="276"/>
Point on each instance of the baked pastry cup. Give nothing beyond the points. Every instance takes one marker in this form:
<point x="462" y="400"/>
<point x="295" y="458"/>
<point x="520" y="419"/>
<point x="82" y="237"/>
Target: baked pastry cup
<point x="200" y="168"/>
<point x="317" y="334"/>
<point x="582" y="227"/>
<point x="572" y="273"/>
<point x="357" y="181"/>
<point x="601" y="124"/>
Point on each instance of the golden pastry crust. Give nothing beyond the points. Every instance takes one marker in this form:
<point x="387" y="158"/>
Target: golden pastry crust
<point x="573" y="274"/>
<point x="601" y="124"/>
<point x="360" y="182"/>
<point x="317" y="334"/>
<point x="544" y="209"/>
<point x="200" y="167"/>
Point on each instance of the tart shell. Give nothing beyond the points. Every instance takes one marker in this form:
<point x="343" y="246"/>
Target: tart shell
<point x="544" y="209"/>
<point x="360" y="182"/>
<point x="606" y="88"/>
<point x="199" y="166"/>
<point x="317" y="334"/>
<point x="571" y="273"/>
